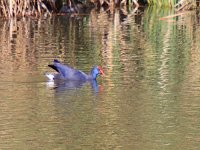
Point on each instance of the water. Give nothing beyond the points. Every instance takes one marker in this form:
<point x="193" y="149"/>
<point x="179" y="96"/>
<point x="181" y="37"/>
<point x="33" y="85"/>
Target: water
<point x="149" y="98"/>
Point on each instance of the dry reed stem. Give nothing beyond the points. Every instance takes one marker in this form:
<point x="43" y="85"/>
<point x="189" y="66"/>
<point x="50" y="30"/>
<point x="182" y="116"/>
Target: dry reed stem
<point x="13" y="8"/>
<point x="172" y="16"/>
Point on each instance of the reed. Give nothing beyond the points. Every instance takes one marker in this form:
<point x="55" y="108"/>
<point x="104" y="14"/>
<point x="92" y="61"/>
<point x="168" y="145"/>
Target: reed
<point x="188" y="4"/>
<point x="13" y="8"/>
<point x="165" y="3"/>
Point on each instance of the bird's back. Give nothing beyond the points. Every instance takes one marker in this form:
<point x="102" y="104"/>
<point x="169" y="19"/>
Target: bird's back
<point x="67" y="72"/>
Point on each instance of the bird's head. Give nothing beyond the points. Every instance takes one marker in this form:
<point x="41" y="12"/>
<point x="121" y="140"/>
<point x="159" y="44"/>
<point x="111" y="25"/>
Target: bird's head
<point x="97" y="70"/>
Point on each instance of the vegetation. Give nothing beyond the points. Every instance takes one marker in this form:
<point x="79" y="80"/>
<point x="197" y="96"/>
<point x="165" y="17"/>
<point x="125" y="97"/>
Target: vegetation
<point x="169" y="3"/>
<point x="185" y="5"/>
<point x="13" y="8"/>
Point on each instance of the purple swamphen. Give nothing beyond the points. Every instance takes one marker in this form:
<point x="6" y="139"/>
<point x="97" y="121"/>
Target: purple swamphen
<point x="67" y="73"/>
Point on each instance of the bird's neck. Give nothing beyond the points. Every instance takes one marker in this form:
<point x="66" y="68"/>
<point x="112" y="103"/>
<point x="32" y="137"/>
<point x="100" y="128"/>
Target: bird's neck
<point x="92" y="76"/>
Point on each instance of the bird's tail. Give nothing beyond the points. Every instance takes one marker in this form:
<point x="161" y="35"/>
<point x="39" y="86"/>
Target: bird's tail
<point x="56" y="61"/>
<point x="49" y="76"/>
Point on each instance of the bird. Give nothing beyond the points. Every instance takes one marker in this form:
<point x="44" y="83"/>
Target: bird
<point x="67" y="73"/>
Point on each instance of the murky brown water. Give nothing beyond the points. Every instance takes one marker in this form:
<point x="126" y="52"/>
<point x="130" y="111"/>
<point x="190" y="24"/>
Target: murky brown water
<point x="148" y="100"/>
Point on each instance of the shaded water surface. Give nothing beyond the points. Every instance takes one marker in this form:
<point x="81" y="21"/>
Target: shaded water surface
<point x="149" y="98"/>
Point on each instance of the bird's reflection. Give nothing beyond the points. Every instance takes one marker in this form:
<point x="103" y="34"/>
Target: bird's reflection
<point x="62" y="86"/>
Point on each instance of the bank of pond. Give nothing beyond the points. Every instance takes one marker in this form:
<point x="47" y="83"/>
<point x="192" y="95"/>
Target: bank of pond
<point x="20" y="8"/>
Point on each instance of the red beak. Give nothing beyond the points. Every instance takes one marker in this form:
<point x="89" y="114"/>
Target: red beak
<point x="101" y="71"/>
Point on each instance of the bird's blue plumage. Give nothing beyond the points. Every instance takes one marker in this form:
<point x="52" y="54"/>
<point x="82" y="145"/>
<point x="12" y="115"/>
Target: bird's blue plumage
<point x="65" y="72"/>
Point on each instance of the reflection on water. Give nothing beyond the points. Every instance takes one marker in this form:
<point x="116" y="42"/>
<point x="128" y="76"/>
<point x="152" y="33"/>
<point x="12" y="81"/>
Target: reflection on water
<point x="149" y="98"/>
<point x="64" y="86"/>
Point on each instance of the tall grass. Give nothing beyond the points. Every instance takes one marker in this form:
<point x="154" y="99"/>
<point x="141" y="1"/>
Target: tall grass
<point x="180" y="4"/>
<point x="15" y="8"/>
<point x="167" y="3"/>
<point x="11" y="8"/>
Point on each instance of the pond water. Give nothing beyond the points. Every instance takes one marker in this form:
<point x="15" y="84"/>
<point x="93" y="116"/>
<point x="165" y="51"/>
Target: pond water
<point x="149" y="98"/>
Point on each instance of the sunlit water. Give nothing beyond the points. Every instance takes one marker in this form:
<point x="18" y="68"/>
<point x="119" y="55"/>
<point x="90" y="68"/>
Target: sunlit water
<point x="148" y="100"/>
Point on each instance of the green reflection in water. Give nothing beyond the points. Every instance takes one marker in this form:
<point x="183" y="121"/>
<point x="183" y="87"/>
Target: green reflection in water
<point x="149" y="98"/>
